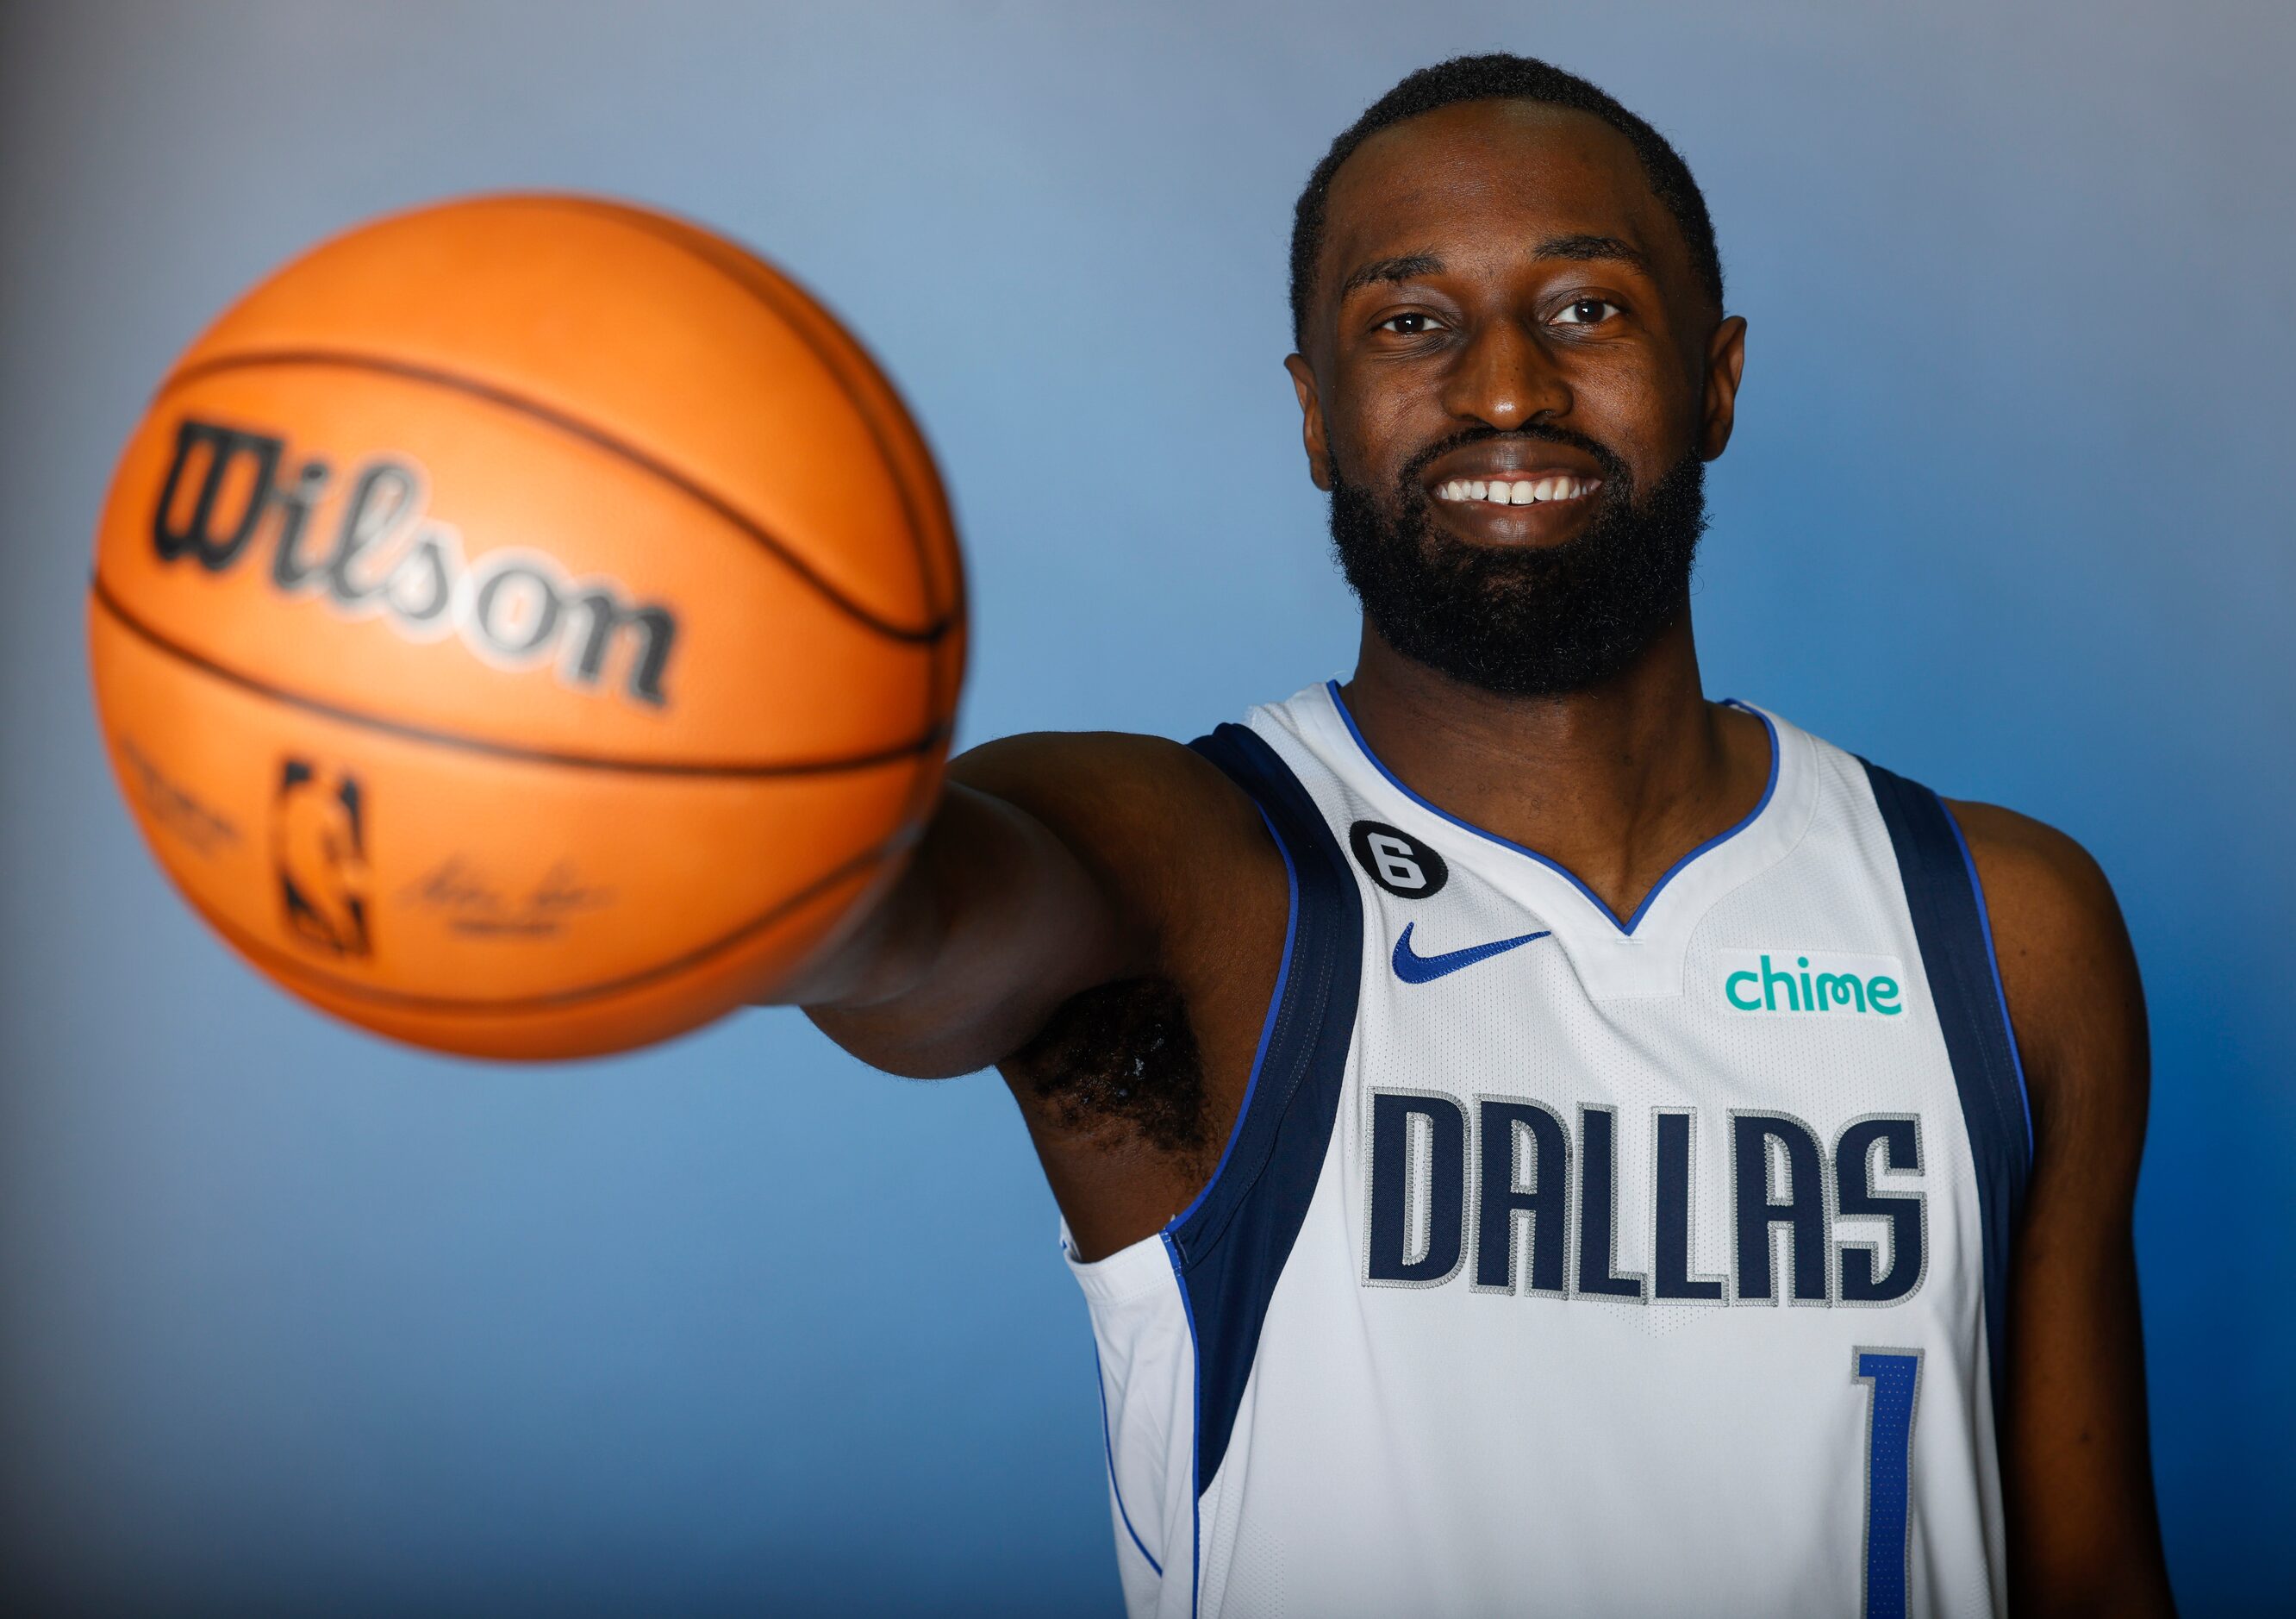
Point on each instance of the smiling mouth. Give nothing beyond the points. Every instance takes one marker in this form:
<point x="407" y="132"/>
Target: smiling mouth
<point x="1515" y="491"/>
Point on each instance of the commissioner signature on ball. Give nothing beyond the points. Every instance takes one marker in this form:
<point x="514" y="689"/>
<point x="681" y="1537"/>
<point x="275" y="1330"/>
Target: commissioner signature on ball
<point x="176" y="806"/>
<point x="472" y="900"/>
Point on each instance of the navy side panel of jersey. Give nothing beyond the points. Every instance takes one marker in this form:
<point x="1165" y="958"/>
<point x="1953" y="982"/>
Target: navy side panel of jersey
<point x="1231" y="1244"/>
<point x="1947" y="906"/>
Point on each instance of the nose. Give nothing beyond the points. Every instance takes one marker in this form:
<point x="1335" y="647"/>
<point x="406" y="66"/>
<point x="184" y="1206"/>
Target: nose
<point x="1504" y="378"/>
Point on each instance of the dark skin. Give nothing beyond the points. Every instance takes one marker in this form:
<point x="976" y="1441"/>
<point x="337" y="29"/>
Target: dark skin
<point x="1492" y="266"/>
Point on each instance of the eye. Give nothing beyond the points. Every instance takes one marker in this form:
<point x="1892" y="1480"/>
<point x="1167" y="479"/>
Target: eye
<point x="1410" y="322"/>
<point x="1586" y="312"/>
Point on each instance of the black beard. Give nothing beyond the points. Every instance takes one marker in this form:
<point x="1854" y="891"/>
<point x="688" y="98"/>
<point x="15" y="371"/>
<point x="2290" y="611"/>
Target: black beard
<point x="1533" y="621"/>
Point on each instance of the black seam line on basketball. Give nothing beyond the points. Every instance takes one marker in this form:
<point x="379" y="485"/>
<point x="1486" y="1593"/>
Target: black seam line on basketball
<point x="344" y="360"/>
<point x="405" y="731"/>
<point x="768" y="294"/>
<point x="765" y="291"/>
<point x="294" y="966"/>
<point x="636" y="220"/>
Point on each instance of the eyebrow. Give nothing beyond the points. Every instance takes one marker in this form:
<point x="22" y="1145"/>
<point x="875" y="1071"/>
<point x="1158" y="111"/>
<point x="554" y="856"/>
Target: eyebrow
<point x="1582" y="247"/>
<point x="1392" y="269"/>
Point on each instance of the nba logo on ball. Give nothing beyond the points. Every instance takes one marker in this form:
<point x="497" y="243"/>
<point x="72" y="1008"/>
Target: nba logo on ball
<point x="569" y="596"/>
<point x="318" y="849"/>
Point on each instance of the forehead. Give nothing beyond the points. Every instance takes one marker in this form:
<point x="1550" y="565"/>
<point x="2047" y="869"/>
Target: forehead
<point x="1478" y="173"/>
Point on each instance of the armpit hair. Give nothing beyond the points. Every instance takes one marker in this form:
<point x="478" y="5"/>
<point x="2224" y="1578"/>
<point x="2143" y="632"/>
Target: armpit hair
<point x="1125" y="1054"/>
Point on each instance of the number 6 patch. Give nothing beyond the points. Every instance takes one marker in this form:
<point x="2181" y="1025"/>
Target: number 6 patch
<point x="1397" y="861"/>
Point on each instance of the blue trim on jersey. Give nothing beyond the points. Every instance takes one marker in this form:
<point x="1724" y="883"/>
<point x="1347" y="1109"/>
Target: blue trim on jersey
<point x="1627" y="926"/>
<point x="1108" y="1449"/>
<point x="1251" y="1088"/>
<point x="1229" y="1246"/>
<point x="1993" y="966"/>
<point x="1195" y="1426"/>
<point x="1267" y="1024"/>
<point x="1947" y="907"/>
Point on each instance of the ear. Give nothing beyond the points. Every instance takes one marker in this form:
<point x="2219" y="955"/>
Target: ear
<point x="1311" y="421"/>
<point x="1725" y="362"/>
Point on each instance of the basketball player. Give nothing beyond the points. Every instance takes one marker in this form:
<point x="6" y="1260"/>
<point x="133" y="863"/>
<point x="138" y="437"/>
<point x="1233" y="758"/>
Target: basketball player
<point x="1532" y="1138"/>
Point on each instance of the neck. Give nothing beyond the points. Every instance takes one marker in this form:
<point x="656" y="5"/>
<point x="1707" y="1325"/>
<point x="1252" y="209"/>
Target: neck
<point x="1615" y="783"/>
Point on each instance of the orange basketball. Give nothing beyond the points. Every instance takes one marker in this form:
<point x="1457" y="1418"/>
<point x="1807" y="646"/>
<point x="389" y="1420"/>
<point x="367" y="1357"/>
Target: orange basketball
<point x="527" y="626"/>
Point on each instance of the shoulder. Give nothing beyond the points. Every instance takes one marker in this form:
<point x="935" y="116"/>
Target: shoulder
<point x="1117" y="788"/>
<point x="2041" y="885"/>
<point x="2052" y="909"/>
<point x="1113" y="772"/>
<point x="1159" y="824"/>
<point x="2068" y="970"/>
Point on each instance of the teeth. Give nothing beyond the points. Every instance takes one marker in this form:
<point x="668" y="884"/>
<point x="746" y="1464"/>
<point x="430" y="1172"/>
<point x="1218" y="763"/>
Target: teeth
<point x="1515" y="491"/>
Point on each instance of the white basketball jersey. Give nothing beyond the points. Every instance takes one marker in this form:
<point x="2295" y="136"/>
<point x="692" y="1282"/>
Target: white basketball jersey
<point x="1566" y="1263"/>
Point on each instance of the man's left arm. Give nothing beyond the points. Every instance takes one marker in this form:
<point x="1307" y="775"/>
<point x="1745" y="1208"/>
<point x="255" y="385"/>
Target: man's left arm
<point x="2084" y="1533"/>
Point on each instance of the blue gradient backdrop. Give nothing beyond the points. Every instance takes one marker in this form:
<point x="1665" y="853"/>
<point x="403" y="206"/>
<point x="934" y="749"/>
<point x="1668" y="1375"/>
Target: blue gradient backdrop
<point x="292" y="1320"/>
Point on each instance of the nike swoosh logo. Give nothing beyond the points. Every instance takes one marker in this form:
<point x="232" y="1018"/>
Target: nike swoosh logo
<point x="1415" y="968"/>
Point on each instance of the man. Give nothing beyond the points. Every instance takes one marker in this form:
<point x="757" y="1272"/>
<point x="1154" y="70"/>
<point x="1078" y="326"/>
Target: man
<point x="1531" y="1139"/>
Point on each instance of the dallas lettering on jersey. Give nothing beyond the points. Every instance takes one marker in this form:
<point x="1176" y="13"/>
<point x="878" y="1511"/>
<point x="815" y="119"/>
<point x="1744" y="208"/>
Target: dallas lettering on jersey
<point x="512" y="607"/>
<point x="1487" y="1186"/>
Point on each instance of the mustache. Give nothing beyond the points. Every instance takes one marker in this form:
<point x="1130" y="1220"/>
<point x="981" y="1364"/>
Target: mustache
<point x="1615" y="476"/>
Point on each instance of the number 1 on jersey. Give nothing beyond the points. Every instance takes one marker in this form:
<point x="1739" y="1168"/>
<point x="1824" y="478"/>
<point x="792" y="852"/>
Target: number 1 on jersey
<point x="1894" y="1376"/>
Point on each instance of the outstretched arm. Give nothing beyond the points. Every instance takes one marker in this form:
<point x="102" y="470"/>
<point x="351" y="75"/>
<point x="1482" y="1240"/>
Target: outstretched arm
<point x="1054" y="863"/>
<point x="994" y="924"/>
<point x="1101" y="917"/>
<point x="2083" y="1535"/>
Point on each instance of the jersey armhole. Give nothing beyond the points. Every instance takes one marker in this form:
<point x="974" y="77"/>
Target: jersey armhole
<point x="1947" y="905"/>
<point x="1230" y="1244"/>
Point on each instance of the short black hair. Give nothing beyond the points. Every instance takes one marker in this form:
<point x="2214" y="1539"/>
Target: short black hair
<point x="1501" y="77"/>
